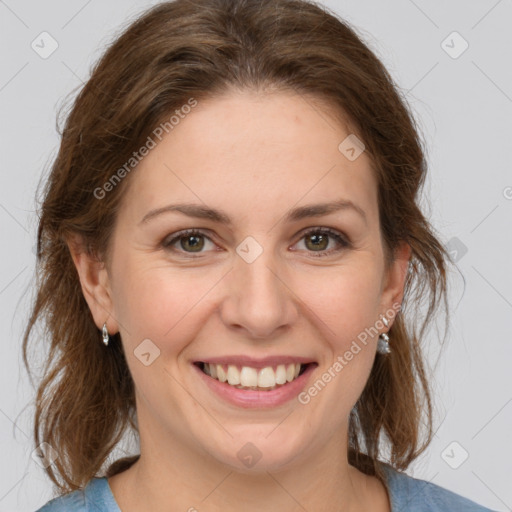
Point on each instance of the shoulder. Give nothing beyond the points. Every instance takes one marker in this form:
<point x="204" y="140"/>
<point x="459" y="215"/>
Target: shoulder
<point x="409" y="493"/>
<point x="95" y="497"/>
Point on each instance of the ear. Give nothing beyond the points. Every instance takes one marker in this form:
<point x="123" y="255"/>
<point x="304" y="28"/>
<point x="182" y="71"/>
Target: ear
<point x="394" y="280"/>
<point x="95" y="283"/>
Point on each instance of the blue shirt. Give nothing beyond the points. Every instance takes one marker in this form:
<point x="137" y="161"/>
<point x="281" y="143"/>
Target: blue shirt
<point x="406" y="494"/>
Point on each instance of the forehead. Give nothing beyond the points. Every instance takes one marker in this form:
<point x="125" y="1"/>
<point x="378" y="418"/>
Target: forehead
<point x="253" y="153"/>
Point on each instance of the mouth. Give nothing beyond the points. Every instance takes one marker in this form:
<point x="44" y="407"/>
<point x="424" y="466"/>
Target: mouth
<point x="251" y="378"/>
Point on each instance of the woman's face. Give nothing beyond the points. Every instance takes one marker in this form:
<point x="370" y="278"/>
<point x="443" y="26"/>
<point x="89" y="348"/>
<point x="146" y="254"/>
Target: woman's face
<point x="261" y="284"/>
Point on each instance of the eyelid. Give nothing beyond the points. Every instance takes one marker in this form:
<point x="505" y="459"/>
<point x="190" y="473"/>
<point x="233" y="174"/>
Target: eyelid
<point x="173" y="238"/>
<point x="340" y="237"/>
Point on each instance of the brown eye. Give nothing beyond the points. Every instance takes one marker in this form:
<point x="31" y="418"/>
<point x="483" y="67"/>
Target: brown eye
<point x="317" y="240"/>
<point x="190" y="241"/>
<point x="193" y="242"/>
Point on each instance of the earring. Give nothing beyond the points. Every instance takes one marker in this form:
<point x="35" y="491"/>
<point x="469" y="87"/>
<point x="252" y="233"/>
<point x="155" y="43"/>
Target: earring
<point x="105" y="334"/>
<point x="383" y="342"/>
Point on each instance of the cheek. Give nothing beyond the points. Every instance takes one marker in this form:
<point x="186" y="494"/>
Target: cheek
<point x="156" y="301"/>
<point x="344" y="299"/>
<point x="164" y="306"/>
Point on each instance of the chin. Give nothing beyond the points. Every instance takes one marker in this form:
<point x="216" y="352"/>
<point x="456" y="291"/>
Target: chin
<point x="258" y="452"/>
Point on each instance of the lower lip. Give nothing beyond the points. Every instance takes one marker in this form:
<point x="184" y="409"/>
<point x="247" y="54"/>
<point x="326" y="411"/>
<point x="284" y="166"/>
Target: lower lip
<point x="254" y="399"/>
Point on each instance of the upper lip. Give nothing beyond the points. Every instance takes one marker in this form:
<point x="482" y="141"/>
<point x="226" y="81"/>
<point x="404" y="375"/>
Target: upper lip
<point x="255" y="362"/>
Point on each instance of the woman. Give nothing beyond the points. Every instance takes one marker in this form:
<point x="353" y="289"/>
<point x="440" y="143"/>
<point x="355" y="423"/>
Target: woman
<point x="232" y="260"/>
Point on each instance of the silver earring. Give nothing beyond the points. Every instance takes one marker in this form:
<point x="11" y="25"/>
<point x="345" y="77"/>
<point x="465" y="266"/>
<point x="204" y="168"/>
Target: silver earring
<point x="105" y="334"/>
<point x="383" y="342"/>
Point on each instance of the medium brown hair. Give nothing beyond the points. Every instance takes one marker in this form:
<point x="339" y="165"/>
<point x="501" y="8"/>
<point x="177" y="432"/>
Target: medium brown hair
<point x="199" y="49"/>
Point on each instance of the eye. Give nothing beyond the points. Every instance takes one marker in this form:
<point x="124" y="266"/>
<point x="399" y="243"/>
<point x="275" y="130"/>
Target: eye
<point x="190" y="241"/>
<point x="317" y="240"/>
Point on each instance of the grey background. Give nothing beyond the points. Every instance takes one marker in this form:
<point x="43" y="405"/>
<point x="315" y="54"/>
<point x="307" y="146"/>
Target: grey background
<point x="463" y="106"/>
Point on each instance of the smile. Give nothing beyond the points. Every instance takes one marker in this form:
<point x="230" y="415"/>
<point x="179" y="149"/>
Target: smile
<point x="256" y="379"/>
<point x="255" y="383"/>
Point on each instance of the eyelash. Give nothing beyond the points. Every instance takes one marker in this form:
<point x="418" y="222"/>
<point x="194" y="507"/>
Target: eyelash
<point x="341" y="240"/>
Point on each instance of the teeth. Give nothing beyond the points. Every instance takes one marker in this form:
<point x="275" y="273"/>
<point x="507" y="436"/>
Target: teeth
<point x="247" y="377"/>
<point x="281" y="374"/>
<point x="233" y="375"/>
<point x="221" y="374"/>
<point x="266" y="378"/>
<point x="290" y="372"/>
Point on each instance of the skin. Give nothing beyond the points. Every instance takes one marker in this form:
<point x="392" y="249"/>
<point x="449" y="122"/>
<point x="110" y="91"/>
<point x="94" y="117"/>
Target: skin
<point x="255" y="156"/>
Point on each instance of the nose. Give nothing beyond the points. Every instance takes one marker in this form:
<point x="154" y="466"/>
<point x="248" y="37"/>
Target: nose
<point x="258" y="298"/>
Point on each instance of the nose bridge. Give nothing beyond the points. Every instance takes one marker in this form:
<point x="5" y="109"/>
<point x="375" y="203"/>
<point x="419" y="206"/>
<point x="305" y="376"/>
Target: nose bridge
<point x="257" y="299"/>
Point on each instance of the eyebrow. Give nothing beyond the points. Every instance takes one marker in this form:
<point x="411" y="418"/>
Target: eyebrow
<point x="302" y="212"/>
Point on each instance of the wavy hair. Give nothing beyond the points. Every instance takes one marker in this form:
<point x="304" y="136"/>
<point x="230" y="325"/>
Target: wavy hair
<point x="202" y="48"/>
